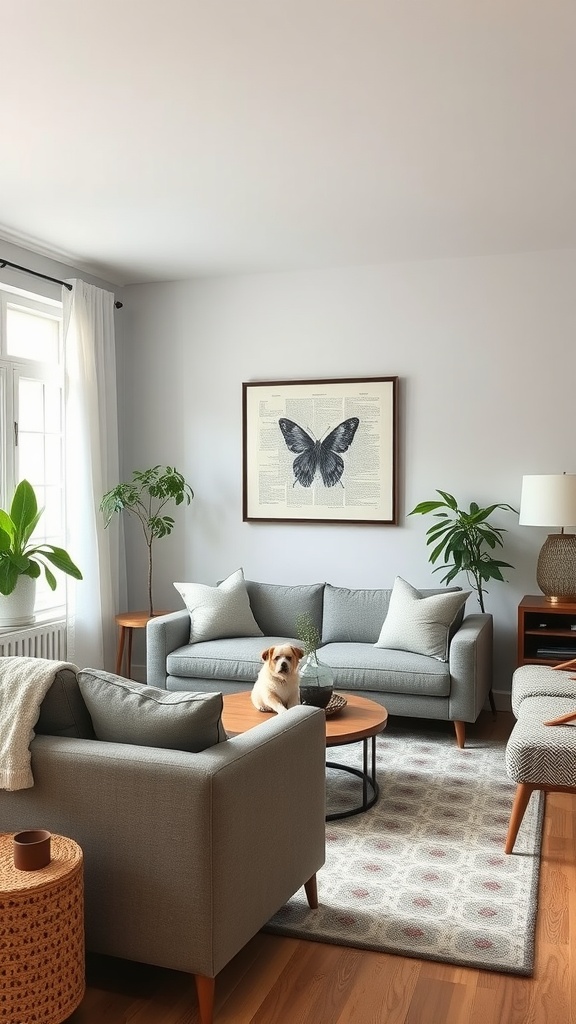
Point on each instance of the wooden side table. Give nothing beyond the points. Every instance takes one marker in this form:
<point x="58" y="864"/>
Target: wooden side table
<point x="128" y="622"/>
<point x="42" y="973"/>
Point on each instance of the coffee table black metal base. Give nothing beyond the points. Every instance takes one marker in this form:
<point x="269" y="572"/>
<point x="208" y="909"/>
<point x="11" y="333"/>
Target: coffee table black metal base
<point x="368" y="776"/>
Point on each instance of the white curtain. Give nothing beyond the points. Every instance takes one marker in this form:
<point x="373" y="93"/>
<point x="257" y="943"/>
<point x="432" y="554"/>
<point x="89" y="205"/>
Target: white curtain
<point x="91" y="470"/>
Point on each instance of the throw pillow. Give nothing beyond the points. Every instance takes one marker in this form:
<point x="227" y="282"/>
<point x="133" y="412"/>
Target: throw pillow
<point x="420" y="624"/>
<point x="218" y="612"/>
<point x="63" y="712"/>
<point x="123" y="711"/>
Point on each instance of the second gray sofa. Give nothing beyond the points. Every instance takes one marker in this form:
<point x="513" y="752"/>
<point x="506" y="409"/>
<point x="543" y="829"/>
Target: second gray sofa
<point x="349" y="622"/>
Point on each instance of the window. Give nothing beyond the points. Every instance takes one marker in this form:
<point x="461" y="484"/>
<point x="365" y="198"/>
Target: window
<point x="32" y="414"/>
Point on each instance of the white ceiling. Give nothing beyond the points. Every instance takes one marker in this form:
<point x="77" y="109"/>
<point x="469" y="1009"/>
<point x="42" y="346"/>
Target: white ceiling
<point x="152" y="141"/>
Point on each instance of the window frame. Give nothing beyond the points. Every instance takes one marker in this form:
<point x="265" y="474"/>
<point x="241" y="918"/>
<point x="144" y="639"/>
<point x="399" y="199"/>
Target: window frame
<point x="12" y="369"/>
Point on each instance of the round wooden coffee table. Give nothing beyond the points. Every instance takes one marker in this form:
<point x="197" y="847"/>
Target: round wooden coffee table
<point x="360" y="720"/>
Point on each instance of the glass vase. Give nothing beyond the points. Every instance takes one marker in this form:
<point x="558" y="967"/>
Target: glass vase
<point x="316" y="681"/>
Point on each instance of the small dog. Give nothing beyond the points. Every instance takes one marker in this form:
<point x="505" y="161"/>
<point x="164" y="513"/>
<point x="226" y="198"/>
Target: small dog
<point x="277" y="686"/>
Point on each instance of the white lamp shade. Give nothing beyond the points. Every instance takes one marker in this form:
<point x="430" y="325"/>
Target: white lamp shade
<point x="548" y="500"/>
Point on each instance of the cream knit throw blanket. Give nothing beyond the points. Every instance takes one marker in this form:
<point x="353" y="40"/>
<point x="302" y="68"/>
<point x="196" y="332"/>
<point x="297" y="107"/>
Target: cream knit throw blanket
<point x="24" y="682"/>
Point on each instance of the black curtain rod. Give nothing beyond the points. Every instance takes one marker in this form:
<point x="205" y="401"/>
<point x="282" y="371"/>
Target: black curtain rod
<point x="35" y="273"/>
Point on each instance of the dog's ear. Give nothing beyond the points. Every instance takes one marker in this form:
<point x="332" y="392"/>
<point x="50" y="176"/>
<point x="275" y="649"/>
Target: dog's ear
<point x="266" y="654"/>
<point x="298" y="652"/>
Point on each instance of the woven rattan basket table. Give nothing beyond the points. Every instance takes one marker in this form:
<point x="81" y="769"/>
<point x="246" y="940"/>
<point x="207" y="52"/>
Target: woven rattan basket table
<point x="42" y="977"/>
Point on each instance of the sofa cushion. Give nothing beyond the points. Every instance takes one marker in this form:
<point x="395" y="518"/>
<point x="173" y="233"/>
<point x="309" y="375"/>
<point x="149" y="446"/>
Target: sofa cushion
<point x="357" y="615"/>
<point x="237" y="659"/>
<point x="540" y="681"/>
<point x="418" y="623"/>
<point x="123" y="711"/>
<point x="540" y="754"/>
<point x="366" y="667"/>
<point x="63" y="711"/>
<point x="276" y="607"/>
<point x="353" y="615"/>
<point x="221" y="611"/>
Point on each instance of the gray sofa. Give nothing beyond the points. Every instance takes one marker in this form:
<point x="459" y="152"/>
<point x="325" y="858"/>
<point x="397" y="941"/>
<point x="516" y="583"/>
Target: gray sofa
<point x="186" y="855"/>
<point x="349" y="622"/>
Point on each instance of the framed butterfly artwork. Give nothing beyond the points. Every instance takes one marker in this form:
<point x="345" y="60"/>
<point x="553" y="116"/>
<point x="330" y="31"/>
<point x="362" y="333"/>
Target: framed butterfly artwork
<point x="320" y="451"/>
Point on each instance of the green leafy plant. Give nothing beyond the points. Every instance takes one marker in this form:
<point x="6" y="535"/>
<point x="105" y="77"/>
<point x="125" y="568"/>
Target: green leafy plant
<point x="19" y="555"/>
<point x="146" y="497"/>
<point x="307" y="633"/>
<point x="465" y="541"/>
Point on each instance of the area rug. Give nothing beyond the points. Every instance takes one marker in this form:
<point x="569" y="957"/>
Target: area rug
<point x="423" y="873"/>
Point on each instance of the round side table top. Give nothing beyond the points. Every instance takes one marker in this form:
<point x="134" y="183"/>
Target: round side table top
<point x="359" y="719"/>
<point x="66" y="857"/>
<point x="136" y="620"/>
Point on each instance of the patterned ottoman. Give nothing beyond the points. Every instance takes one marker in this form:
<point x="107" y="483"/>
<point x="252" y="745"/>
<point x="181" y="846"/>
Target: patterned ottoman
<point x="540" y="756"/>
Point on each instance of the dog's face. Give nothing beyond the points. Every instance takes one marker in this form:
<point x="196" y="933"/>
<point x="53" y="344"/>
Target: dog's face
<point x="282" y="661"/>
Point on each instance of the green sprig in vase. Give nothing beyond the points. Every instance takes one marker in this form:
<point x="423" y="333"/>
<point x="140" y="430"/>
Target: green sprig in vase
<point x="316" y="678"/>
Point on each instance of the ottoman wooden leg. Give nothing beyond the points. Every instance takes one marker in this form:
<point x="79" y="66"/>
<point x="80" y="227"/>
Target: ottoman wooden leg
<point x="524" y="791"/>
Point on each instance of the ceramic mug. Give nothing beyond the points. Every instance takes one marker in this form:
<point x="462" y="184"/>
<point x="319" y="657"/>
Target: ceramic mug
<point x="31" y="849"/>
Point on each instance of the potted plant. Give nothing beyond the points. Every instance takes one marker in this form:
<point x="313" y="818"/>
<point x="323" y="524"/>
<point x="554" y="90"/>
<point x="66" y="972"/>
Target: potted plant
<point x="22" y="561"/>
<point x="145" y="497"/>
<point x="316" y="678"/>
<point x="465" y="540"/>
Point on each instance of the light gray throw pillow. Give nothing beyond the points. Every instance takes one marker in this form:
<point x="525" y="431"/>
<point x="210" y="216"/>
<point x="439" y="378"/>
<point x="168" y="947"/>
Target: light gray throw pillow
<point x="218" y="612"/>
<point x="420" y="624"/>
<point x="123" y="711"/>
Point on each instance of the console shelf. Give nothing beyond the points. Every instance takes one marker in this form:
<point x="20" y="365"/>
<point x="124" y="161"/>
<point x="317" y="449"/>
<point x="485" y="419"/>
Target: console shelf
<point x="546" y="631"/>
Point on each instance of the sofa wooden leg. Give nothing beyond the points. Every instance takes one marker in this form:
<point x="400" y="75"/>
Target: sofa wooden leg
<point x="205" y="988"/>
<point x="492" y="701"/>
<point x="460" y="729"/>
<point x="524" y="791"/>
<point x="311" y="890"/>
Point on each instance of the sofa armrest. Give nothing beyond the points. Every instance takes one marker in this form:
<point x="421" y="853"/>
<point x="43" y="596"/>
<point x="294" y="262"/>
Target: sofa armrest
<point x="470" y="660"/>
<point x="164" y="634"/>
<point x="186" y="856"/>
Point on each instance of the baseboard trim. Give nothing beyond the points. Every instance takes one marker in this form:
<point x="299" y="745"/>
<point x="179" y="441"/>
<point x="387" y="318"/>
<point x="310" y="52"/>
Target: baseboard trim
<point x="502" y="700"/>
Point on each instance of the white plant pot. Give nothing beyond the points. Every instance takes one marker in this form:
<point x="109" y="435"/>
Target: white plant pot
<point x="17" y="608"/>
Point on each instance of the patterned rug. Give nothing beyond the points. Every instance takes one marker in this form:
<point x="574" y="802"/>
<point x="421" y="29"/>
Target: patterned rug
<point x="424" y="873"/>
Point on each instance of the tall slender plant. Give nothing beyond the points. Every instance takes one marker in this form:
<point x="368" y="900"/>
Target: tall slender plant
<point x="145" y="497"/>
<point x="465" y="540"/>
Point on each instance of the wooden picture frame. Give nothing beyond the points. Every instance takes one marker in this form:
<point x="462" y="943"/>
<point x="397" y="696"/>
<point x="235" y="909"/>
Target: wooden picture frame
<point x="320" y="451"/>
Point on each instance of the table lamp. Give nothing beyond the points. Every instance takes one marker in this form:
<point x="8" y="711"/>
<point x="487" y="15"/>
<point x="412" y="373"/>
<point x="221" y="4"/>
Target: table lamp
<point x="551" y="501"/>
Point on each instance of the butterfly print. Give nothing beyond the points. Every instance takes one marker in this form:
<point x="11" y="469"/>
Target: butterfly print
<point x="318" y="455"/>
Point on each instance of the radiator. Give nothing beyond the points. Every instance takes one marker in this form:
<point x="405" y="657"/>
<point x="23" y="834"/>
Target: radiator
<point x="47" y="640"/>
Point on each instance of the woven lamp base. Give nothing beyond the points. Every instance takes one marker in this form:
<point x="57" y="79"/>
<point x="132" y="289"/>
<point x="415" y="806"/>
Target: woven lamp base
<point x="556" y="569"/>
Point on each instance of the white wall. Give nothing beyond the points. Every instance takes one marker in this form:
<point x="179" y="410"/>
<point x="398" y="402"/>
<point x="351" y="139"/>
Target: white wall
<point x="485" y="350"/>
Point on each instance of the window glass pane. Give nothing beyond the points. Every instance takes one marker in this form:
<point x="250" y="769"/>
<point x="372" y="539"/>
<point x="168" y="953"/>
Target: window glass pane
<point x="31" y="335"/>
<point x="39" y="532"/>
<point x="52" y="522"/>
<point x="31" y="458"/>
<point x="53" y="463"/>
<point x="31" y="405"/>
<point x="53" y="408"/>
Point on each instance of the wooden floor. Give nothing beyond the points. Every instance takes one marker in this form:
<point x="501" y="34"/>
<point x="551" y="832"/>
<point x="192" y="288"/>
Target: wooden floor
<point x="287" y="981"/>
